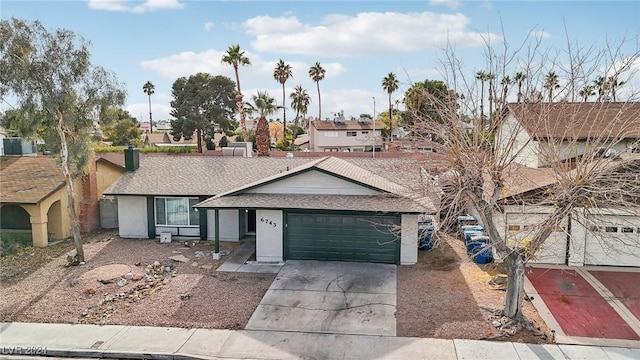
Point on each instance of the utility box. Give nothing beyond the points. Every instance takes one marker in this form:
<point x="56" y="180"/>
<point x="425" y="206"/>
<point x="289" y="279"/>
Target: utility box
<point x="165" y="237"/>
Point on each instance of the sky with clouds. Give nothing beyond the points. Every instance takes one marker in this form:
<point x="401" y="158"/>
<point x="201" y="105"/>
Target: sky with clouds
<point x="357" y="42"/>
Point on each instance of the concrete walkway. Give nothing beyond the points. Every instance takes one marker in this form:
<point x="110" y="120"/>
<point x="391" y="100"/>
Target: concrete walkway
<point x="138" y="342"/>
<point x="238" y="261"/>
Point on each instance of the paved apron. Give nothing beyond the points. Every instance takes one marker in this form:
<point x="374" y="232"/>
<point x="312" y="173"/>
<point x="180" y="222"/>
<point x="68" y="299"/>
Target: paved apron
<point x="330" y="297"/>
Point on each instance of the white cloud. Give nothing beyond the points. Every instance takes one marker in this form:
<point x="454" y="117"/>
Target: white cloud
<point x="208" y="25"/>
<point x="539" y="34"/>
<point x="189" y="62"/>
<point x="140" y="111"/>
<point x="453" y="4"/>
<point x="134" y="7"/>
<point x="363" y="34"/>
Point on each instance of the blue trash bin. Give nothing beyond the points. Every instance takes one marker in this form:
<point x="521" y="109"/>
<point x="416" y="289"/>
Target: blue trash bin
<point x="469" y="228"/>
<point x="480" y="249"/>
<point x="468" y="234"/>
<point x="425" y="234"/>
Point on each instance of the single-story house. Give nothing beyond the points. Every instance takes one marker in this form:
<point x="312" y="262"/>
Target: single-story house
<point x="298" y="208"/>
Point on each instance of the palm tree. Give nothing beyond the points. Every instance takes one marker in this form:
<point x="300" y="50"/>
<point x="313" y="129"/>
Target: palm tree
<point x="300" y="101"/>
<point x="149" y="89"/>
<point x="390" y="85"/>
<point x="550" y="83"/>
<point x="505" y="82"/>
<point x="482" y="76"/>
<point x="316" y="73"/>
<point x="490" y="78"/>
<point x="235" y="57"/>
<point x="602" y="85"/>
<point x="281" y="74"/>
<point x="413" y="99"/>
<point x="587" y="92"/>
<point x="265" y="105"/>
<point x="519" y="79"/>
<point x="614" y="84"/>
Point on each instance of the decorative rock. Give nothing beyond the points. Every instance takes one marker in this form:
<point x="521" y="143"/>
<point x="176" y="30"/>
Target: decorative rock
<point x="122" y="282"/>
<point x="194" y="264"/>
<point x="496" y="323"/>
<point x="167" y="269"/>
<point x="179" y="258"/>
<point x="156" y="263"/>
<point x="225" y="252"/>
<point x="74" y="282"/>
<point x="207" y="267"/>
<point x="137" y="277"/>
<point x="128" y="276"/>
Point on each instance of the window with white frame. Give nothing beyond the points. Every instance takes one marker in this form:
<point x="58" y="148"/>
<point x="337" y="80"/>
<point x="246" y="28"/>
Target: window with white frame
<point x="330" y="134"/>
<point x="352" y="133"/>
<point x="176" y="212"/>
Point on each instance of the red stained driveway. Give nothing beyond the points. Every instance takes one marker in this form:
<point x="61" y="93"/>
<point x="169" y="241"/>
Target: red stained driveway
<point x="580" y="310"/>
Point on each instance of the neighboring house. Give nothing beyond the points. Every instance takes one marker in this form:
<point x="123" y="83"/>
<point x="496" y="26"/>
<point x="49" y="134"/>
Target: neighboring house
<point x="298" y="208"/>
<point x="345" y="135"/>
<point x="33" y="198"/>
<point x="593" y="237"/>
<point x="166" y="139"/>
<point x="302" y="142"/>
<point x="530" y="132"/>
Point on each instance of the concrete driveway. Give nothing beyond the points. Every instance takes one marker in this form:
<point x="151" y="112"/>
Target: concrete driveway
<point x="330" y="297"/>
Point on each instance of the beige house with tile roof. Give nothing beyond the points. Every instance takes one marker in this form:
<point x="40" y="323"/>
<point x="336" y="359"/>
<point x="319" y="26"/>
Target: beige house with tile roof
<point x="298" y="208"/>
<point x="33" y="197"/>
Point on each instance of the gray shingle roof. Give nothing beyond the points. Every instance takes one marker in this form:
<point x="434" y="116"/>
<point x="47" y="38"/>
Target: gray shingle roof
<point x="180" y="175"/>
<point x="197" y="175"/>
<point x="381" y="203"/>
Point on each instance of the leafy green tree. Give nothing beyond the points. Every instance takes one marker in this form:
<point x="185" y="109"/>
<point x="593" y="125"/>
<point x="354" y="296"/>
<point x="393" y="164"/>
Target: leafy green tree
<point x="121" y="128"/>
<point x="281" y="74"/>
<point x="202" y="104"/>
<point x="300" y="101"/>
<point x="149" y="89"/>
<point x="236" y="58"/>
<point x="316" y="73"/>
<point x="390" y="84"/>
<point x="428" y="99"/>
<point x="59" y="90"/>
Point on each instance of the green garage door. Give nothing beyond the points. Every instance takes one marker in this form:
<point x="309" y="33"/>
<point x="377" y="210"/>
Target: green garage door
<point x="342" y="237"/>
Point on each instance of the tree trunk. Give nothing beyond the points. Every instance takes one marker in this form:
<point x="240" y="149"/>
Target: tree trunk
<point x="243" y="123"/>
<point x="199" y="137"/>
<point x="284" y="120"/>
<point x="64" y="157"/>
<point x="295" y="131"/>
<point x="515" y="286"/>
<point x="319" y="101"/>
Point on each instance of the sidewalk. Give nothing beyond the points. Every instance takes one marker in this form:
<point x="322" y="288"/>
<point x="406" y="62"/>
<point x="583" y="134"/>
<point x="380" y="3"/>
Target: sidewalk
<point x="139" y="342"/>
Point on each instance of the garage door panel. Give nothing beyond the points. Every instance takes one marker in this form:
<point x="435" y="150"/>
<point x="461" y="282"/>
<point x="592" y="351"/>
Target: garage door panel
<point x="342" y="237"/>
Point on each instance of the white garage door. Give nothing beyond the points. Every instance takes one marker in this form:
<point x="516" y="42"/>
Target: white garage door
<point x="615" y="241"/>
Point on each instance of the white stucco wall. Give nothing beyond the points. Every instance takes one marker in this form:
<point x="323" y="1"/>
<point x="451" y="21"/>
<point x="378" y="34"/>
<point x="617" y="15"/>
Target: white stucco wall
<point x="553" y="251"/>
<point x="132" y="217"/>
<point x="515" y="141"/>
<point x="269" y="235"/>
<point x="602" y="247"/>
<point x="229" y="225"/>
<point x="409" y="239"/>
<point x="314" y="182"/>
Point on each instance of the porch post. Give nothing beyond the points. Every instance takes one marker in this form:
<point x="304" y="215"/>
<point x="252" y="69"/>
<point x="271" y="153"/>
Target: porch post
<point x="216" y="239"/>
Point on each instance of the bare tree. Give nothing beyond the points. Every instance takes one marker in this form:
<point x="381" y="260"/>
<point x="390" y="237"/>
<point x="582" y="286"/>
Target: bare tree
<point x="564" y="144"/>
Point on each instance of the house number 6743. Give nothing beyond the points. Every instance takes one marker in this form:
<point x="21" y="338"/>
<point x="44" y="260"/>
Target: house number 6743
<point x="267" y="221"/>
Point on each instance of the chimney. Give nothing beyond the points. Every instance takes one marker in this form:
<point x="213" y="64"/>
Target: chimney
<point x="131" y="158"/>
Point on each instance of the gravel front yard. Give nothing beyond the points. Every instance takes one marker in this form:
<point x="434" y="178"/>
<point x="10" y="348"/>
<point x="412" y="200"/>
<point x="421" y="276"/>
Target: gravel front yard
<point x="438" y="297"/>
